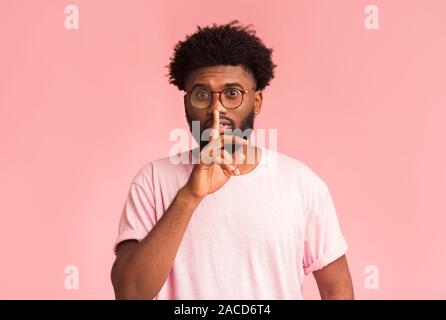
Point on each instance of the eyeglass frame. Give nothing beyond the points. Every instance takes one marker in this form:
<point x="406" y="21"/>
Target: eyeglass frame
<point x="219" y="96"/>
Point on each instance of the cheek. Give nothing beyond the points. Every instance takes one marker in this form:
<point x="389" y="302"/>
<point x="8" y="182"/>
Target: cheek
<point x="243" y="112"/>
<point x="196" y="114"/>
<point x="238" y="117"/>
<point x="190" y="111"/>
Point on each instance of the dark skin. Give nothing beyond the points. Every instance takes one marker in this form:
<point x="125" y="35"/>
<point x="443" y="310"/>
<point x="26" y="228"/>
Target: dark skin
<point x="220" y="77"/>
<point x="334" y="280"/>
<point x="217" y="78"/>
<point x="141" y="268"/>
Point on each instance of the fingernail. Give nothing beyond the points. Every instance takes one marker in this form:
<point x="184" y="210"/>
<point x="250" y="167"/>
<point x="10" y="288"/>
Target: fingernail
<point x="237" y="171"/>
<point x="231" y="167"/>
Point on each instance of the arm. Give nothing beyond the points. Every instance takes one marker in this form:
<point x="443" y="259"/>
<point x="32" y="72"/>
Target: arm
<point x="334" y="281"/>
<point x="141" y="268"/>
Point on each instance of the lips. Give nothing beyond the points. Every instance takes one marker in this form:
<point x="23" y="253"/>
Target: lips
<point x="223" y="128"/>
<point x="224" y="124"/>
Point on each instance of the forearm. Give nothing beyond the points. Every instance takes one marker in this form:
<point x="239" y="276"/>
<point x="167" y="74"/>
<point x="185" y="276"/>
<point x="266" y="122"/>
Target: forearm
<point x="334" y="281"/>
<point x="145" y="269"/>
<point x="344" y="293"/>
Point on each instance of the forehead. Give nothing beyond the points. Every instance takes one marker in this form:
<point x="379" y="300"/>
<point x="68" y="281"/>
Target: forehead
<point x="217" y="76"/>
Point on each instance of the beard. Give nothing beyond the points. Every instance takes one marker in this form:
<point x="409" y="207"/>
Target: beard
<point x="244" y="131"/>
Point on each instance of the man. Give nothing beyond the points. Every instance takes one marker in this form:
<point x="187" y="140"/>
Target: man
<point x="226" y="227"/>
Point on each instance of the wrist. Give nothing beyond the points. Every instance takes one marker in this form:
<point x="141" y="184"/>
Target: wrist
<point x="186" y="194"/>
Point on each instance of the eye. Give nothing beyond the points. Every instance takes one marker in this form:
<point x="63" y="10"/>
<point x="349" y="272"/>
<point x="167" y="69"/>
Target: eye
<point x="232" y="93"/>
<point x="201" y="94"/>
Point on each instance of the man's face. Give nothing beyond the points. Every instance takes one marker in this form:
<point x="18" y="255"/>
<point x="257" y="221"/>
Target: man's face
<point x="217" y="78"/>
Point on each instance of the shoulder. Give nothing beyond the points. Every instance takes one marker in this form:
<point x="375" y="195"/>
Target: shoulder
<point x="294" y="168"/>
<point x="161" y="168"/>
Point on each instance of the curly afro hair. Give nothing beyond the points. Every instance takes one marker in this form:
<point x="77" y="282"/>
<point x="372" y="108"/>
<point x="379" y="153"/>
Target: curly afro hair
<point x="228" y="44"/>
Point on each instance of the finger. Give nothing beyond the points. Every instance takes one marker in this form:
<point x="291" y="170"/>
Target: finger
<point x="233" y="139"/>
<point x="228" y="169"/>
<point x="239" y="157"/>
<point x="228" y="160"/>
<point x="215" y="128"/>
<point x="234" y="156"/>
<point x="210" y="151"/>
<point x="214" y="148"/>
<point x="225" y="164"/>
<point x="209" y="159"/>
<point x="234" y="145"/>
<point x="224" y="159"/>
<point x="227" y="157"/>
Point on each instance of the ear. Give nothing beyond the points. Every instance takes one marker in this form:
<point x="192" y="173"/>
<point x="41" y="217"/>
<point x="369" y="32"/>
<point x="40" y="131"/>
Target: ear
<point x="258" y="98"/>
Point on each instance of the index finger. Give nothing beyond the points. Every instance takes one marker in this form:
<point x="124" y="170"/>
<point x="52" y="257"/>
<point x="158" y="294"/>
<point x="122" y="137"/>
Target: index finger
<point x="215" y="125"/>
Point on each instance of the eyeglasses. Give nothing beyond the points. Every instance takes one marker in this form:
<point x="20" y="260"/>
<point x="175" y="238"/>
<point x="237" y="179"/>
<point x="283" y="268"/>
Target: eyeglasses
<point x="230" y="98"/>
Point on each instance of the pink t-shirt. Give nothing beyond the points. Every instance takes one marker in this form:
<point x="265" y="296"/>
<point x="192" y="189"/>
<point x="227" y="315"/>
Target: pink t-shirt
<point x="255" y="238"/>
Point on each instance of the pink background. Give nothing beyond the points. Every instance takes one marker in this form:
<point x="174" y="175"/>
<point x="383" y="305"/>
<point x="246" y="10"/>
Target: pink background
<point x="82" y="110"/>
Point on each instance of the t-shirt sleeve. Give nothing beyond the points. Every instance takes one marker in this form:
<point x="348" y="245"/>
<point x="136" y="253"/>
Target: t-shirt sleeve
<point x="138" y="215"/>
<point x="324" y="242"/>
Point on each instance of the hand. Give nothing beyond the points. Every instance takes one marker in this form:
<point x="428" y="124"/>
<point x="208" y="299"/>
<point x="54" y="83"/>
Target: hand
<point x="216" y="165"/>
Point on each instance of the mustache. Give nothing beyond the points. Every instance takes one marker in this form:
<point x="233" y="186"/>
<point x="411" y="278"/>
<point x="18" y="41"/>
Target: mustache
<point x="208" y="122"/>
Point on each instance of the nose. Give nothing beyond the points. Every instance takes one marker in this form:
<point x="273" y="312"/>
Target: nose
<point x="216" y="104"/>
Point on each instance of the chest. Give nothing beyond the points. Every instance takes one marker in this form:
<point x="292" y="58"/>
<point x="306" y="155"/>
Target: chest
<point x="266" y="216"/>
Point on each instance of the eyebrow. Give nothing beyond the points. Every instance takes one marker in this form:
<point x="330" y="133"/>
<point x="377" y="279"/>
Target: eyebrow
<point x="226" y="85"/>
